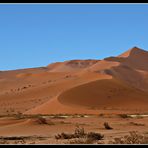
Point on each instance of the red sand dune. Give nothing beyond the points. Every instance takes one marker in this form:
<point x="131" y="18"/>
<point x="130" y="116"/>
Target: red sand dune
<point x="78" y="86"/>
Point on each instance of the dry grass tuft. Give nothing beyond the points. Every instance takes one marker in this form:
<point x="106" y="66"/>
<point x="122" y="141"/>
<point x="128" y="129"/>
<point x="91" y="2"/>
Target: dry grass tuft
<point x="107" y="126"/>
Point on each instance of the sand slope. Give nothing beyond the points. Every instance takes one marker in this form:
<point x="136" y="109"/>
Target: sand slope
<point x="105" y="93"/>
<point x="78" y="86"/>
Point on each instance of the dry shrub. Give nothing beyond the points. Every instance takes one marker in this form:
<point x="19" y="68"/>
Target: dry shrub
<point x="41" y="120"/>
<point x="20" y="142"/>
<point x="83" y="141"/>
<point x="137" y="124"/>
<point x="19" y="115"/>
<point x="107" y="126"/>
<point x="80" y="137"/>
<point x="133" y="138"/>
<point x="94" y="136"/>
<point x="101" y="115"/>
<point x="4" y="142"/>
<point x="80" y="141"/>
<point x="124" y="116"/>
<point x="79" y="133"/>
<point x="90" y="138"/>
<point x="64" y="136"/>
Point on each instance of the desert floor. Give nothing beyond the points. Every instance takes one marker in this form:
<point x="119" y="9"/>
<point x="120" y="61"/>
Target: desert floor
<point x="21" y="129"/>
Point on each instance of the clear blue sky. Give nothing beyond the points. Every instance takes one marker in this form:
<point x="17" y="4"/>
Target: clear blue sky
<point x="33" y="35"/>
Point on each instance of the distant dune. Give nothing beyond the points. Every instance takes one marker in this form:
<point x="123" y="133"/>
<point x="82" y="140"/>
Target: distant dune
<point x="78" y="86"/>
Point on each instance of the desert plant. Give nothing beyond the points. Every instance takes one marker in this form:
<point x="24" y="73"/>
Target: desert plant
<point x="90" y="138"/>
<point x="80" y="136"/>
<point x="84" y="141"/>
<point x="80" y="141"/>
<point x="42" y="120"/>
<point x="20" y="142"/>
<point x="137" y="124"/>
<point x="107" y="126"/>
<point x="79" y="131"/>
<point x="124" y="116"/>
<point x="82" y="116"/>
<point x="63" y="136"/>
<point x="133" y="138"/>
<point x="94" y="136"/>
<point x="101" y="115"/>
<point x="4" y="142"/>
<point x="19" y="115"/>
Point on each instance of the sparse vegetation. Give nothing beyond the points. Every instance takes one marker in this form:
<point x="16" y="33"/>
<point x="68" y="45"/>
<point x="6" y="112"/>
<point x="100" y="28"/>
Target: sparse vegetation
<point x="84" y="141"/>
<point x="94" y="136"/>
<point x="124" y="116"/>
<point x="25" y="87"/>
<point x="19" y="115"/>
<point x="82" y="116"/>
<point x="80" y="141"/>
<point x="137" y="124"/>
<point x="67" y="76"/>
<point x="107" y="126"/>
<point x="80" y="136"/>
<point x="20" y="140"/>
<point x="64" y="136"/>
<point x="2" y="141"/>
<point x="101" y="115"/>
<point x="90" y="138"/>
<point x="133" y="138"/>
<point x="79" y="133"/>
<point x="41" y="120"/>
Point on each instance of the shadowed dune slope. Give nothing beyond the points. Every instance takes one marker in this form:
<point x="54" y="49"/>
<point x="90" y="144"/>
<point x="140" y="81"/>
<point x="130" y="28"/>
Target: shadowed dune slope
<point x="136" y="58"/>
<point x="132" y="68"/>
<point x="105" y="93"/>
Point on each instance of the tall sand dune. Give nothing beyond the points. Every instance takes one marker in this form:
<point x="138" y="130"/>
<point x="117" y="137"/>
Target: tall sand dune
<point x="78" y="86"/>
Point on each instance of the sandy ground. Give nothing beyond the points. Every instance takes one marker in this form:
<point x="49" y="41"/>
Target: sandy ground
<point x="36" y="133"/>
